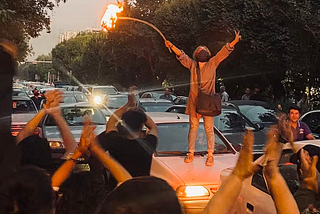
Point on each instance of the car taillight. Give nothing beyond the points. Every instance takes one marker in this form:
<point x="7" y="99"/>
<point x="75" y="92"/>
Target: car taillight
<point x="38" y="131"/>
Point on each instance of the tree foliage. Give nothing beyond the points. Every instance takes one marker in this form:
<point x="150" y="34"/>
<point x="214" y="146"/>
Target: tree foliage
<point x="21" y="20"/>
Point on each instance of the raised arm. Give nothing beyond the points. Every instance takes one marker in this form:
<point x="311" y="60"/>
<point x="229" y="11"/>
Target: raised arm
<point x="152" y="127"/>
<point x="29" y="129"/>
<point x="116" y="169"/>
<point x="278" y="188"/>
<point x="55" y="112"/>
<point x="65" y="170"/>
<point x="226" y="50"/>
<point x="117" y="115"/>
<point x="184" y="59"/>
<point x="227" y="194"/>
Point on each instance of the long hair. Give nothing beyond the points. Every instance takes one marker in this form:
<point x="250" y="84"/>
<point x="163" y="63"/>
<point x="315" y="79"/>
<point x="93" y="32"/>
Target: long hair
<point x="198" y="50"/>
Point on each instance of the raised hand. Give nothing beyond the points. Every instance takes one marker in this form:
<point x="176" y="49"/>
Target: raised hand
<point x="132" y="100"/>
<point x="168" y="44"/>
<point x="245" y="166"/>
<point x="309" y="171"/>
<point x="53" y="101"/>
<point x="272" y="153"/>
<point x="237" y="36"/>
<point x="87" y="136"/>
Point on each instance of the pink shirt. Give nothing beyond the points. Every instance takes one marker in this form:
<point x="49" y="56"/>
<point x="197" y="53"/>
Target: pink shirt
<point x="207" y="74"/>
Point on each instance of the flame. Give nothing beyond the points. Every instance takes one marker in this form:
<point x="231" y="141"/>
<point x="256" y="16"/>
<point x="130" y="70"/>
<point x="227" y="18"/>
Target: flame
<point x="110" y="17"/>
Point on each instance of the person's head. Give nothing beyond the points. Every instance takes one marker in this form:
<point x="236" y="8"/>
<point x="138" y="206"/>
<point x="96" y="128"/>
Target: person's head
<point x="256" y="89"/>
<point x="294" y="113"/>
<point x="167" y="91"/>
<point x="35" y="92"/>
<point x="82" y="193"/>
<point x="27" y="190"/>
<point x="35" y="151"/>
<point x="134" y="119"/>
<point x="202" y="54"/>
<point x="222" y="89"/>
<point x="247" y="91"/>
<point x="141" y="195"/>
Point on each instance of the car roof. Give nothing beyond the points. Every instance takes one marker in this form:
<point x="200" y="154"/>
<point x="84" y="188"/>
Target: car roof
<point x="17" y="98"/>
<point x="153" y="100"/>
<point x="73" y="92"/>
<point x="102" y="86"/>
<point x="116" y="95"/>
<point x="164" y="117"/>
<point x="310" y="112"/>
<point x="248" y="102"/>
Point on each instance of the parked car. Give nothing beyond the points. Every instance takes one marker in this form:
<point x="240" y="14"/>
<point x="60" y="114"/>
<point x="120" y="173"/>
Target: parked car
<point x="233" y="125"/>
<point x="23" y="110"/>
<point x="74" y="116"/>
<point x="255" y="196"/>
<point x="194" y="183"/>
<point x="260" y="113"/>
<point x="19" y="92"/>
<point x="312" y="119"/>
<point x="154" y="105"/>
<point x="181" y="100"/>
<point x="156" y="95"/>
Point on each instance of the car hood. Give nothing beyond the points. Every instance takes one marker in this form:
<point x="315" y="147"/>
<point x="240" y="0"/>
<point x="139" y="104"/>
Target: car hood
<point x="22" y="118"/>
<point x="53" y="132"/>
<point x="197" y="173"/>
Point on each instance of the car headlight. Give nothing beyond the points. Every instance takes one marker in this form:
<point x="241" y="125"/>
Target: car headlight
<point x="192" y="191"/>
<point x="97" y="100"/>
<point x="55" y="144"/>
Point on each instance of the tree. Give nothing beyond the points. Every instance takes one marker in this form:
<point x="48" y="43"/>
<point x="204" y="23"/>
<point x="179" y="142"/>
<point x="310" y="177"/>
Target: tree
<point x="21" y="20"/>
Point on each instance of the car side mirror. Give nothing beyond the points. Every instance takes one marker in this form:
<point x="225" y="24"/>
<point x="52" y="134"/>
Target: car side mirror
<point x="260" y="126"/>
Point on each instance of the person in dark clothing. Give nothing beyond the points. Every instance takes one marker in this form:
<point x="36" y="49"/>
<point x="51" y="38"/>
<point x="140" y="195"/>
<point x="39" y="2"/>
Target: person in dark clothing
<point x="166" y="95"/>
<point x="256" y="94"/>
<point x="132" y="151"/>
<point x="36" y="98"/>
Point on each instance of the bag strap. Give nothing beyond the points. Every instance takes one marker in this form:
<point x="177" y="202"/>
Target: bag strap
<point x="198" y="76"/>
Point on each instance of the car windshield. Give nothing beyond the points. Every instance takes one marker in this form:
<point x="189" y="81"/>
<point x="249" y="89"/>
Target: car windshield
<point x="108" y="90"/>
<point x="230" y="121"/>
<point x="69" y="99"/>
<point x="80" y="98"/>
<point x="173" y="137"/>
<point x="23" y="107"/>
<point x="19" y="93"/>
<point x="116" y="102"/>
<point x="75" y="116"/>
<point x="259" y="113"/>
<point x="155" y="107"/>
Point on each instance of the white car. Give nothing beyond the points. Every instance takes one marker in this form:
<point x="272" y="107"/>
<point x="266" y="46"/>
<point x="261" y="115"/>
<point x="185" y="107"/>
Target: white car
<point x="254" y="197"/>
<point x="194" y="183"/>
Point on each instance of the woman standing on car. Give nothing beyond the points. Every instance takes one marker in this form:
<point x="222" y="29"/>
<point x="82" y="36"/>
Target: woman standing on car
<point x="207" y="65"/>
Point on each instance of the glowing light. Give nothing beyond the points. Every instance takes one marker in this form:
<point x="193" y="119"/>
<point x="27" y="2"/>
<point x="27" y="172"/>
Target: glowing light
<point x="97" y="100"/>
<point x="110" y="17"/>
<point x="192" y="191"/>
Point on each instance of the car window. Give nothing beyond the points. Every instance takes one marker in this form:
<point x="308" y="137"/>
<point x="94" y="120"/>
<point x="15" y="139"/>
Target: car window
<point x="258" y="113"/>
<point x="174" y="137"/>
<point x="75" y="116"/>
<point x="157" y="107"/>
<point x="115" y="102"/>
<point x="108" y="90"/>
<point x="81" y="98"/>
<point x="69" y="99"/>
<point x="180" y="110"/>
<point x="230" y="121"/>
<point x="146" y="96"/>
<point x="23" y="106"/>
<point x="313" y="121"/>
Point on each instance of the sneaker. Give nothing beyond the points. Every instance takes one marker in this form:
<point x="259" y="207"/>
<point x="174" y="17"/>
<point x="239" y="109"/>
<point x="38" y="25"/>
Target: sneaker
<point x="188" y="158"/>
<point x="210" y="160"/>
